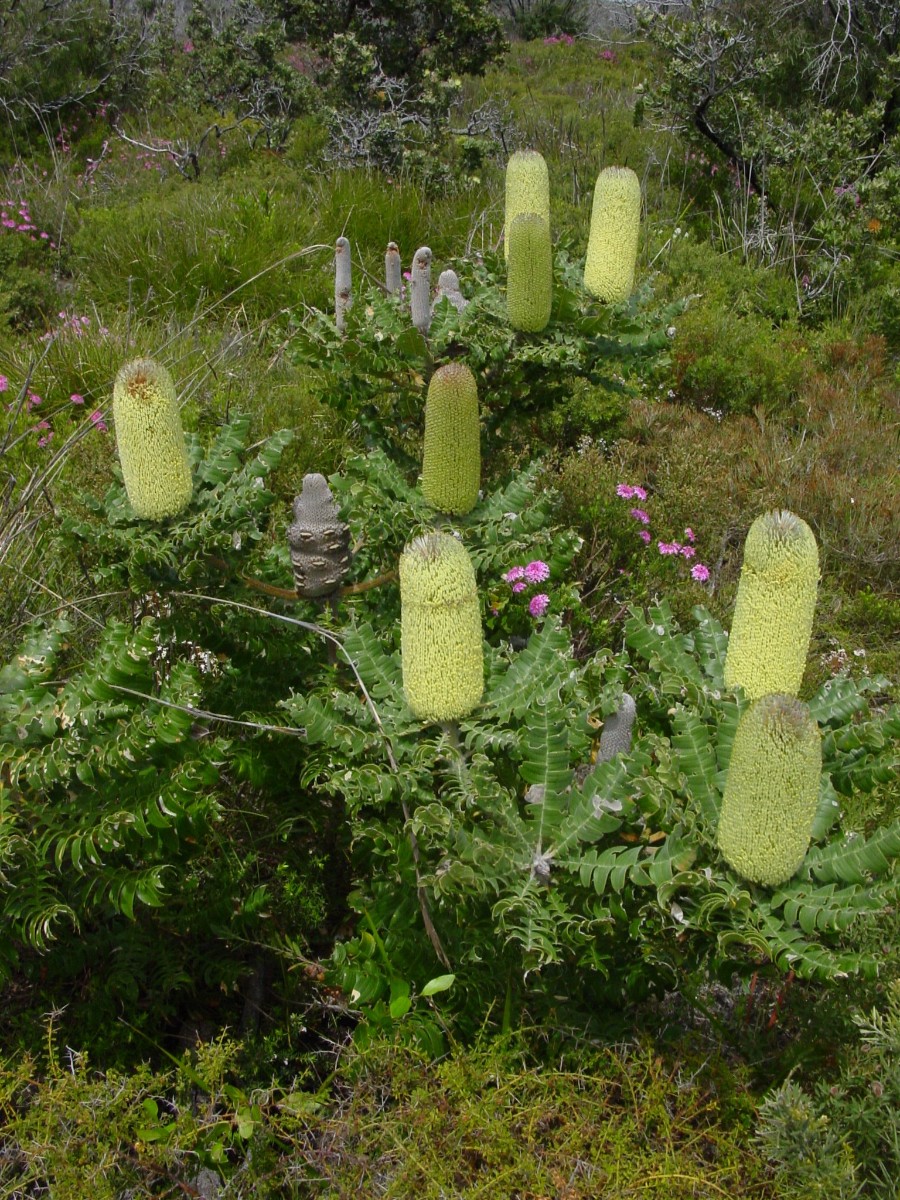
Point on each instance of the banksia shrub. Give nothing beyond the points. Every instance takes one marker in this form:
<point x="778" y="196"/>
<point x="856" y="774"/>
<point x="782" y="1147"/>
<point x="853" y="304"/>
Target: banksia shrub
<point x="150" y="440"/>
<point x="440" y="630"/>
<point x="451" y="461"/>
<point x="773" y="612"/>
<point x="615" y="230"/>
<point x="527" y="189"/>
<point x="319" y="540"/>
<point x="772" y="791"/>
<point x="529" y="276"/>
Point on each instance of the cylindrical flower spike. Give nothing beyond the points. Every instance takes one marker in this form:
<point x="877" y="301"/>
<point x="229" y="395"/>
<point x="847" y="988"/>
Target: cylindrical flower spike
<point x="527" y="189"/>
<point x="773" y="612"/>
<point x="440" y="631"/>
<point x="150" y="440"/>
<point x="772" y="790"/>
<point x="529" y="276"/>
<point x="392" y="272"/>
<point x="615" y="231"/>
<point x="420" y="290"/>
<point x="342" y="282"/>
<point x="451" y="460"/>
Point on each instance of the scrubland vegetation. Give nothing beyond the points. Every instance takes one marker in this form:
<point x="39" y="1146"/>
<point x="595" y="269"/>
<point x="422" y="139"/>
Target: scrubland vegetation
<point x="274" y="923"/>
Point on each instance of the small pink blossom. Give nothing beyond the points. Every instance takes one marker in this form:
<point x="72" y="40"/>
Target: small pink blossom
<point x="668" y="547"/>
<point x="625" y="490"/>
<point x="97" y="418"/>
<point x="640" y="515"/>
<point x="700" y="573"/>
<point x="188" y="47"/>
<point x="689" y="534"/>
<point x="33" y="400"/>
<point x="514" y="573"/>
<point x="520" y="586"/>
<point x="45" y="441"/>
<point x="76" y="399"/>
<point x="4" y="383"/>
<point x="537" y="571"/>
<point x="638" y="493"/>
<point x="644" y="535"/>
<point x="539" y="604"/>
<point x="688" y="551"/>
<point x="42" y="425"/>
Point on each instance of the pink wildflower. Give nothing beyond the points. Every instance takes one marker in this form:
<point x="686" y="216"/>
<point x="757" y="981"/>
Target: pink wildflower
<point x="688" y="551"/>
<point x="640" y="515"/>
<point x="45" y="440"/>
<point x="4" y="383"/>
<point x="520" y="586"/>
<point x="668" y="547"/>
<point x="700" y="573"/>
<point x="33" y="400"/>
<point x="537" y="571"/>
<point x="625" y="490"/>
<point x="689" y="534"/>
<point x="539" y="604"/>
<point x="644" y="535"/>
<point x="76" y="399"/>
<point x="638" y="493"/>
<point x="514" y="573"/>
<point x="98" y="422"/>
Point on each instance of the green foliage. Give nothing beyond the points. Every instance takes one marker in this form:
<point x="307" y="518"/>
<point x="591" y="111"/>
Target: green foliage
<point x="841" y="1137"/>
<point x="376" y="371"/>
<point x="237" y="69"/>
<point x="406" y="39"/>
<point x="600" y="868"/>
<point x="736" y="366"/>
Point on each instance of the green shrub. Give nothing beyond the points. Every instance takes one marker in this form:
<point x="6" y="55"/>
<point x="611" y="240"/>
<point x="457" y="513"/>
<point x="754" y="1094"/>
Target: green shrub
<point x="730" y="364"/>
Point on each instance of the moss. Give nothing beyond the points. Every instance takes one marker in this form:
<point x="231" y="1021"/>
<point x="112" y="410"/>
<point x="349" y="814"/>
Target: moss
<point x="441" y="643"/>
<point x="773" y="612"/>
<point x="529" y="284"/>
<point x="150" y="440"/>
<point x="615" y="228"/>
<point x="772" y="791"/>
<point x="527" y="189"/>
<point x="451" y="461"/>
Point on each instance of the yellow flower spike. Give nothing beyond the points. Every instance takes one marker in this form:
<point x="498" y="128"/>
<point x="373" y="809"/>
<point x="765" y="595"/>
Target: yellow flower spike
<point x="440" y="629"/>
<point x="451" y="460"/>
<point x="615" y="230"/>
<point x="772" y="791"/>
<point x="527" y="189"/>
<point x="773" y="612"/>
<point x="150" y="440"/>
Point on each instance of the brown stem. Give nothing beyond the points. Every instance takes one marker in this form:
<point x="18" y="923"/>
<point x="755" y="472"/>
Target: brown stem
<point x="271" y="589"/>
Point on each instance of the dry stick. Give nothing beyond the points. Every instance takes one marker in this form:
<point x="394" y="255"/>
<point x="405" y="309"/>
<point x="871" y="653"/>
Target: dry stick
<point x="332" y="639"/>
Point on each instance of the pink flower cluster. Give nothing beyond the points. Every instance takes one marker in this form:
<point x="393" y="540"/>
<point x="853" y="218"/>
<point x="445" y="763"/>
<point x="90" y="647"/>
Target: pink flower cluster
<point x="561" y="39"/>
<point x="18" y="220"/>
<point x="71" y="325"/>
<point x="686" y="550"/>
<point x="519" y="578"/>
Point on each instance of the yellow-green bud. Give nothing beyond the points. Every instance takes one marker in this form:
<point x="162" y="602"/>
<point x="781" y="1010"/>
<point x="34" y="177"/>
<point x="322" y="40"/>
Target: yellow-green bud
<point x="440" y="629"/>
<point x="773" y="612"/>
<point x="150" y="440"/>
<point x="527" y="189"/>
<point x="772" y="790"/>
<point x="615" y="230"/>
<point x="529" y="276"/>
<point x="451" y="460"/>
